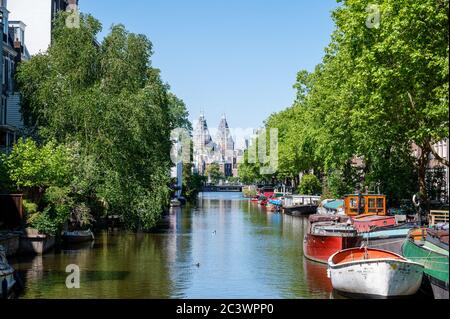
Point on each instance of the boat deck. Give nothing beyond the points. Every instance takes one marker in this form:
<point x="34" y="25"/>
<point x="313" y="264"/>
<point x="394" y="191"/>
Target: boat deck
<point x="357" y="255"/>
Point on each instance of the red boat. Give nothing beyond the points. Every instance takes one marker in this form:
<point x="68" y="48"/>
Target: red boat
<point x="267" y="192"/>
<point x="328" y="234"/>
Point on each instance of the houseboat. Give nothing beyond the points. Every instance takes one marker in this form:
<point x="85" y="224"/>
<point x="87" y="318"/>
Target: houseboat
<point x="374" y="273"/>
<point x="300" y="205"/>
<point x="328" y="234"/>
<point x="365" y="204"/>
<point x="331" y="207"/>
<point x="429" y="247"/>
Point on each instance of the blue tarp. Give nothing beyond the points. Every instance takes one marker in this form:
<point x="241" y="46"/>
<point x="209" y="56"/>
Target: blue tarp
<point x="334" y="205"/>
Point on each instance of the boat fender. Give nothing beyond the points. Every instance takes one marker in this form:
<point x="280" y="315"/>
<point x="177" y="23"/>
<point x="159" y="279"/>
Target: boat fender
<point x="329" y="273"/>
<point x="416" y="201"/>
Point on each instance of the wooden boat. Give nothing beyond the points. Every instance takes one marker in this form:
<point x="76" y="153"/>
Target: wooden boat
<point x="328" y="234"/>
<point x="7" y="280"/>
<point x="432" y="253"/>
<point x="77" y="236"/>
<point x="374" y="272"/>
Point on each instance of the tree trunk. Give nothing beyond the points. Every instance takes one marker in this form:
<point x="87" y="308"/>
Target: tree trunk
<point x="422" y="175"/>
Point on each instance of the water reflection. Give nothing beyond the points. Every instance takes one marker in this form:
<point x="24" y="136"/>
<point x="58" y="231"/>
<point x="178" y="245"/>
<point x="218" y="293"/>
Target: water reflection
<point x="225" y="247"/>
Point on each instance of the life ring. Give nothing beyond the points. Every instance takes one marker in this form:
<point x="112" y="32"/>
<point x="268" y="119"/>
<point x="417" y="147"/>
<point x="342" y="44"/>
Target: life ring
<point x="416" y="200"/>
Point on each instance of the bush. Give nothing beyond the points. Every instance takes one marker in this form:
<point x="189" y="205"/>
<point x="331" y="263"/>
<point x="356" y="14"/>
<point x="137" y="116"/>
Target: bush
<point x="44" y="223"/>
<point x="310" y="185"/>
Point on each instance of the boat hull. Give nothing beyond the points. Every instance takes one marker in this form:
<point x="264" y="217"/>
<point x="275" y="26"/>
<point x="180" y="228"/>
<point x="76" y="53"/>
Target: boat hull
<point x="300" y="210"/>
<point x="390" y="239"/>
<point x="435" y="263"/>
<point x="383" y="278"/>
<point x="321" y="248"/>
<point x="78" y="238"/>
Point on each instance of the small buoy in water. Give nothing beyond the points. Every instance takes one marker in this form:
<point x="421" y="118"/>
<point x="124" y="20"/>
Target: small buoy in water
<point x="214" y="232"/>
<point x="197" y="265"/>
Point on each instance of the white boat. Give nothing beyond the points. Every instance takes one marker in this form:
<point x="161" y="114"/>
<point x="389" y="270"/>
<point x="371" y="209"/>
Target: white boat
<point x="7" y="280"/>
<point x="374" y="272"/>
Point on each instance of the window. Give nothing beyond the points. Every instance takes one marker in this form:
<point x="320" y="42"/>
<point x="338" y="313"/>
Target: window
<point x="2" y="112"/>
<point x="372" y="203"/>
<point x="380" y="202"/>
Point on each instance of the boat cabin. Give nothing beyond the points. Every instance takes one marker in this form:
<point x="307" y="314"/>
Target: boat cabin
<point x="365" y="204"/>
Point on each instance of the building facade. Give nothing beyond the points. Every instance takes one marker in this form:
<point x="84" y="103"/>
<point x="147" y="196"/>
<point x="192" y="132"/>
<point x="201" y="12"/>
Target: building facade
<point x="204" y="146"/>
<point x="14" y="51"/>
<point x="219" y="151"/>
<point x="437" y="168"/>
<point x="38" y="19"/>
<point x="26" y="28"/>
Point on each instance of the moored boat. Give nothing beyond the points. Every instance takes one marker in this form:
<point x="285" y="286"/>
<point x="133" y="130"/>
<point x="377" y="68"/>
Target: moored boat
<point x="300" y="205"/>
<point x="389" y="238"/>
<point x="374" y="272"/>
<point x="432" y="252"/>
<point x="74" y="237"/>
<point x="366" y="223"/>
<point x="328" y="234"/>
<point x="7" y="280"/>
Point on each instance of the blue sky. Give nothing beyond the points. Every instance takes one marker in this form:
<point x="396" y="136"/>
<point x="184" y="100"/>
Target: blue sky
<point x="238" y="57"/>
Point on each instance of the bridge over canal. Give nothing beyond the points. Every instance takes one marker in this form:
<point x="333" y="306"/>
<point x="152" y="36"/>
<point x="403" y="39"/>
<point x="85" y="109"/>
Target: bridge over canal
<point x="223" y="188"/>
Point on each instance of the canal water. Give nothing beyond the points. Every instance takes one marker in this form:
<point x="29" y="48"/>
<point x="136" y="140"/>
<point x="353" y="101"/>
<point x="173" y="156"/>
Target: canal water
<point x="225" y="247"/>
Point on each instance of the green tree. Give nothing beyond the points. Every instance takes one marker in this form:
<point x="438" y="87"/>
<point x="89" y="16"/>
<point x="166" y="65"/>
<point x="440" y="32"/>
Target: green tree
<point x="106" y="98"/>
<point x="378" y="91"/>
<point x="310" y="185"/>
<point x="213" y="172"/>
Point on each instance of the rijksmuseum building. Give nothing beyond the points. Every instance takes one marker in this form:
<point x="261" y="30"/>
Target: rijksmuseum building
<point x="220" y="150"/>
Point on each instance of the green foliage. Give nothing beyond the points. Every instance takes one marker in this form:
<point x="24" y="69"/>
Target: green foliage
<point x="6" y="184"/>
<point x="233" y="180"/>
<point x="29" y="208"/>
<point x="340" y="182"/>
<point x="44" y="223"/>
<point x="192" y="183"/>
<point x="376" y="92"/>
<point x="214" y="174"/>
<point x="107" y="100"/>
<point x="30" y="166"/>
<point x="310" y="185"/>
